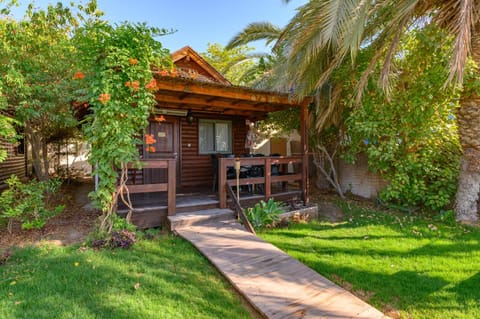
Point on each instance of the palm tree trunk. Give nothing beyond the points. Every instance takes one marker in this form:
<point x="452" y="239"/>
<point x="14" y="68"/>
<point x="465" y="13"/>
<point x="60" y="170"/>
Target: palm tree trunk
<point x="466" y="204"/>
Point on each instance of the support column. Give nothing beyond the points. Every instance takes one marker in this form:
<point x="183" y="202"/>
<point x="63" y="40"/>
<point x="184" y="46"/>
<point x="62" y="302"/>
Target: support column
<point x="304" y="142"/>
<point x="172" y="186"/>
<point x="222" y="181"/>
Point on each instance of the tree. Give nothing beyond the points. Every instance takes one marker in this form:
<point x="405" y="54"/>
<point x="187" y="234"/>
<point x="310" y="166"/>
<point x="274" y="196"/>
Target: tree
<point x="263" y="63"/>
<point x="37" y="63"/>
<point x="64" y="57"/>
<point x="233" y="63"/>
<point x="287" y="120"/>
<point x="410" y="138"/>
<point x="324" y="34"/>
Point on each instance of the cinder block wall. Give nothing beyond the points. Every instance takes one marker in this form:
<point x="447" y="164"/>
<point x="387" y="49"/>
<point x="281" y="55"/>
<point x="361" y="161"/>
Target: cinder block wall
<point x="357" y="179"/>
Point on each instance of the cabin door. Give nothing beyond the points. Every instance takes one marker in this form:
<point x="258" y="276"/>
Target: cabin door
<point x="166" y="135"/>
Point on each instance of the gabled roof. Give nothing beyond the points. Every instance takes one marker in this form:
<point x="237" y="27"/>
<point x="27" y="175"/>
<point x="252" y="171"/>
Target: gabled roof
<point x="198" y="87"/>
<point x="187" y="60"/>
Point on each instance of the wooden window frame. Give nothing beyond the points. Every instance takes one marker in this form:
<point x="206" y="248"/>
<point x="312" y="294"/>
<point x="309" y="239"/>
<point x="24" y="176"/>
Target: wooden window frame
<point x="230" y="136"/>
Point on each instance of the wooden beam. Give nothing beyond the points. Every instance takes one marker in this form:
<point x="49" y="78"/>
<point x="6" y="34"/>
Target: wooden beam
<point x="159" y="163"/>
<point x="209" y="110"/>
<point x="183" y="96"/>
<point x="244" y="161"/>
<point x="261" y="180"/>
<point x="147" y="188"/>
<point x="211" y="99"/>
<point x="222" y="91"/>
<point x="201" y="100"/>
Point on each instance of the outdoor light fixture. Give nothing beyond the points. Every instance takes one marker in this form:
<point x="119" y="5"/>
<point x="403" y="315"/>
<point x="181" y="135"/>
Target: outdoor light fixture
<point x="190" y="117"/>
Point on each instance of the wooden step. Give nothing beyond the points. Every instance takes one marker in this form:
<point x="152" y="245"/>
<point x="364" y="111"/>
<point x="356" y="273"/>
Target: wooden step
<point x="199" y="217"/>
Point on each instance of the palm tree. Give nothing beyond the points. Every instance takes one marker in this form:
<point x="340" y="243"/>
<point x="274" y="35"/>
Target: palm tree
<point x="325" y="114"/>
<point x="326" y="33"/>
<point x="263" y="62"/>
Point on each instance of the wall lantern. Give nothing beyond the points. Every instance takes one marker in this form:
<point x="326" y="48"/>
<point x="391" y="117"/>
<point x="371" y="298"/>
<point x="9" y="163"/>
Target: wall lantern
<point x="190" y="117"/>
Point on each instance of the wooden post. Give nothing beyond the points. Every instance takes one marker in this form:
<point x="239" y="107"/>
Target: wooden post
<point x="172" y="185"/>
<point x="304" y="142"/>
<point x="268" y="175"/>
<point x="237" y="173"/>
<point x="222" y="180"/>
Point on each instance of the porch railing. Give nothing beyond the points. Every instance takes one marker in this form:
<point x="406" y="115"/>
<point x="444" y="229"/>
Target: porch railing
<point x="239" y="211"/>
<point x="267" y="179"/>
<point x="169" y="187"/>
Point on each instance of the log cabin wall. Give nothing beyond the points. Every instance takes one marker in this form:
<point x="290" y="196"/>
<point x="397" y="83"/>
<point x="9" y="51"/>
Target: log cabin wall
<point x="14" y="164"/>
<point x="196" y="169"/>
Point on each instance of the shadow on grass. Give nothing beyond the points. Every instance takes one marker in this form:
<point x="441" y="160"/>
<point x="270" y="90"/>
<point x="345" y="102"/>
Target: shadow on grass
<point x="404" y="289"/>
<point x="421" y="266"/>
<point x="163" y="279"/>
<point x="468" y="289"/>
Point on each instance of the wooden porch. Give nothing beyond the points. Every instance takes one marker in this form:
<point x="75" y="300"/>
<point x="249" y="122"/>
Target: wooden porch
<point x="199" y="119"/>
<point x="152" y="203"/>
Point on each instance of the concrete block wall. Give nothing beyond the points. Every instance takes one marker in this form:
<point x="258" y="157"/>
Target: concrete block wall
<point x="357" y="179"/>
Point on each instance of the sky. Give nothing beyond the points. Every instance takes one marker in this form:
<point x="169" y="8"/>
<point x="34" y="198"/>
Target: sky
<point x="198" y="22"/>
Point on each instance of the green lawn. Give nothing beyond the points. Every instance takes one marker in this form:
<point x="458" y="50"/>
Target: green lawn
<point x="161" y="278"/>
<point x="420" y="267"/>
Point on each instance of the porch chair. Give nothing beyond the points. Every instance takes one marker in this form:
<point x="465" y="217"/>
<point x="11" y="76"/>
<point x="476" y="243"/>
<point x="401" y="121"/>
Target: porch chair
<point x="230" y="171"/>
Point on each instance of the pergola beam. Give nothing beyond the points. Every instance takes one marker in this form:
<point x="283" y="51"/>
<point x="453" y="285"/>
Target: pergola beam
<point x="209" y="102"/>
<point x="222" y="91"/>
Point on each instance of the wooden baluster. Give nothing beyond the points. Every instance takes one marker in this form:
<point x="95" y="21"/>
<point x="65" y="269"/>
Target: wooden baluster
<point x="268" y="175"/>
<point x="172" y="185"/>
<point x="222" y="189"/>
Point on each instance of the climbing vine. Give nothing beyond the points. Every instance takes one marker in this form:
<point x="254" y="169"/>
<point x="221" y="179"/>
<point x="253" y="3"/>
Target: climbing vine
<point x="119" y="88"/>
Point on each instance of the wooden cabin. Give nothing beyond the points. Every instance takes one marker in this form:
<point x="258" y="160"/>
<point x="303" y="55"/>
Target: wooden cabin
<point x="16" y="162"/>
<point x="199" y="129"/>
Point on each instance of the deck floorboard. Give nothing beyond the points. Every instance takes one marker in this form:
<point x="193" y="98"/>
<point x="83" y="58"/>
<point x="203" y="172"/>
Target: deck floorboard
<point x="276" y="285"/>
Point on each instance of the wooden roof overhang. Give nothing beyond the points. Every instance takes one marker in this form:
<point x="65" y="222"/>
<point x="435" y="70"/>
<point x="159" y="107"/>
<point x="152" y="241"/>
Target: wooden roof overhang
<point x="216" y="98"/>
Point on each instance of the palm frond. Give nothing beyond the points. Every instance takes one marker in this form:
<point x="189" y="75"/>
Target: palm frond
<point x="319" y="37"/>
<point x="461" y="23"/>
<point x="254" y="32"/>
<point x="243" y="59"/>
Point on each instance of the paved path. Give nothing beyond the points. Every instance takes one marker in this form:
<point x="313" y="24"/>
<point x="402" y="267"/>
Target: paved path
<point x="277" y="285"/>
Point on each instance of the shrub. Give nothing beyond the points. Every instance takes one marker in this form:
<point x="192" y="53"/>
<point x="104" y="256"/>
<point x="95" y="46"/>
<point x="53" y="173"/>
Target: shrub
<point x="122" y="235"/>
<point x="411" y="137"/>
<point x="117" y="239"/>
<point x="29" y="203"/>
<point x="265" y="213"/>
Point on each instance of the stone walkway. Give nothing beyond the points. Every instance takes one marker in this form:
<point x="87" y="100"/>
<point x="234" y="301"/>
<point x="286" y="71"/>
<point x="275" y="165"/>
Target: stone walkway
<point x="276" y="285"/>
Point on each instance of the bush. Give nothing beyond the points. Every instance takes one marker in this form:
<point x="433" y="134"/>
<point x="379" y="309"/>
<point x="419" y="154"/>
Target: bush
<point x="118" y="239"/>
<point x="29" y="203"/>
<point x="122" y="235"/>
<point x="411" y="137"/>
<point x="265" y="213"/>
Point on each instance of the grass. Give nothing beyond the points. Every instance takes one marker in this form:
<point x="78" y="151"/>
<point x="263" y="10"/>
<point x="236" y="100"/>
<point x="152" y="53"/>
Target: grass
<point x="420" y="267"/>
<point x="161" y="278"/>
